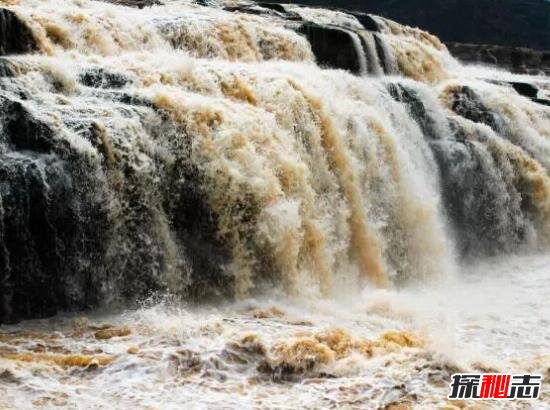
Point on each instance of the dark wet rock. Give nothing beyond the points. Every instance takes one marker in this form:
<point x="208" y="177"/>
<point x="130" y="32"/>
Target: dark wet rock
<point x="249" y="9"/>
<point x="332" y="46"/>
<point x="289" y="15"/>
<point x="263" y="8"/>
<point x="475" y="198"/>
<point x="196" y="228"/>
<point x="204" y="3"/>
<point x="47" y="238"/>
<point x="123" y="96"/>
<point x="479" y="205"/>
<point x="100" y="78"/>
<point x="7" y="68"/>
<point x="468" y="104"/>
<point x="134" y="3"/>
<point x="416" y="108"/>
<point x="22" y="131"/>
<point x="51" y="224"/>
<point x="530" y="91"/>
<point x="367" y="21"/>
<point x="516" y="59"/>
<point x="542" y="101"/>
<point x="66" y="244"/>
<point x="273" y="6"/>
<point x="525" y="89"/>
<point x="7" y="376"/>
<point x="15" y="36"/>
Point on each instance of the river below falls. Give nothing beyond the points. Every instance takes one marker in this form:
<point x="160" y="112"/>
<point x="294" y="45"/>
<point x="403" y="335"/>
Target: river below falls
<point x="380" y="349"/>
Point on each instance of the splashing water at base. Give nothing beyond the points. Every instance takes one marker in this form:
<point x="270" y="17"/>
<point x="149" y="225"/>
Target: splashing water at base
<point x="390" y="347"/>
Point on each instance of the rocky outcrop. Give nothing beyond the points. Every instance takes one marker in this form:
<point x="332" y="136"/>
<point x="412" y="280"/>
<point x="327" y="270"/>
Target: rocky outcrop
<point x="516" y="59"/>
<point x="15" y="36"/>
<point x="415" y="106"/>
<point x="332" y="46"/>
<point x="528" y="90"/>
<point x="261" y="8"/>
<point x="134" y="3"/>
<point x="525" y="89"/>
<point x="469" y="188"/>
<point x="466" y="102"/>
<point x="52" y="225"/>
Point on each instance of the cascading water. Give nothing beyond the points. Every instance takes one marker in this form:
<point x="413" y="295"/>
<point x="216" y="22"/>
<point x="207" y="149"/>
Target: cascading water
<point x="233" y="150"/>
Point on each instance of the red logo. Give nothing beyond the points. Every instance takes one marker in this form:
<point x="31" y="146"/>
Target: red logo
<point x="495" y="386"/>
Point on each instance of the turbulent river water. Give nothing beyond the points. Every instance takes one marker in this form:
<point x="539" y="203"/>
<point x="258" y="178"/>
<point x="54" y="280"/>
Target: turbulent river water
<point x="262" y="206"/>
<point x="373" y="350"/>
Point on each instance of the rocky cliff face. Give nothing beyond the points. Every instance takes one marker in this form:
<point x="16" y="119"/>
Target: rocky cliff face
<point x="519" y="60"/>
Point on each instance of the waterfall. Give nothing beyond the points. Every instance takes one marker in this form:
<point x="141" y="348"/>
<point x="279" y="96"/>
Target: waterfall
<point x="221" y="150"/>
<point x="360" y="51"/>
<point x="371" y="54"/>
